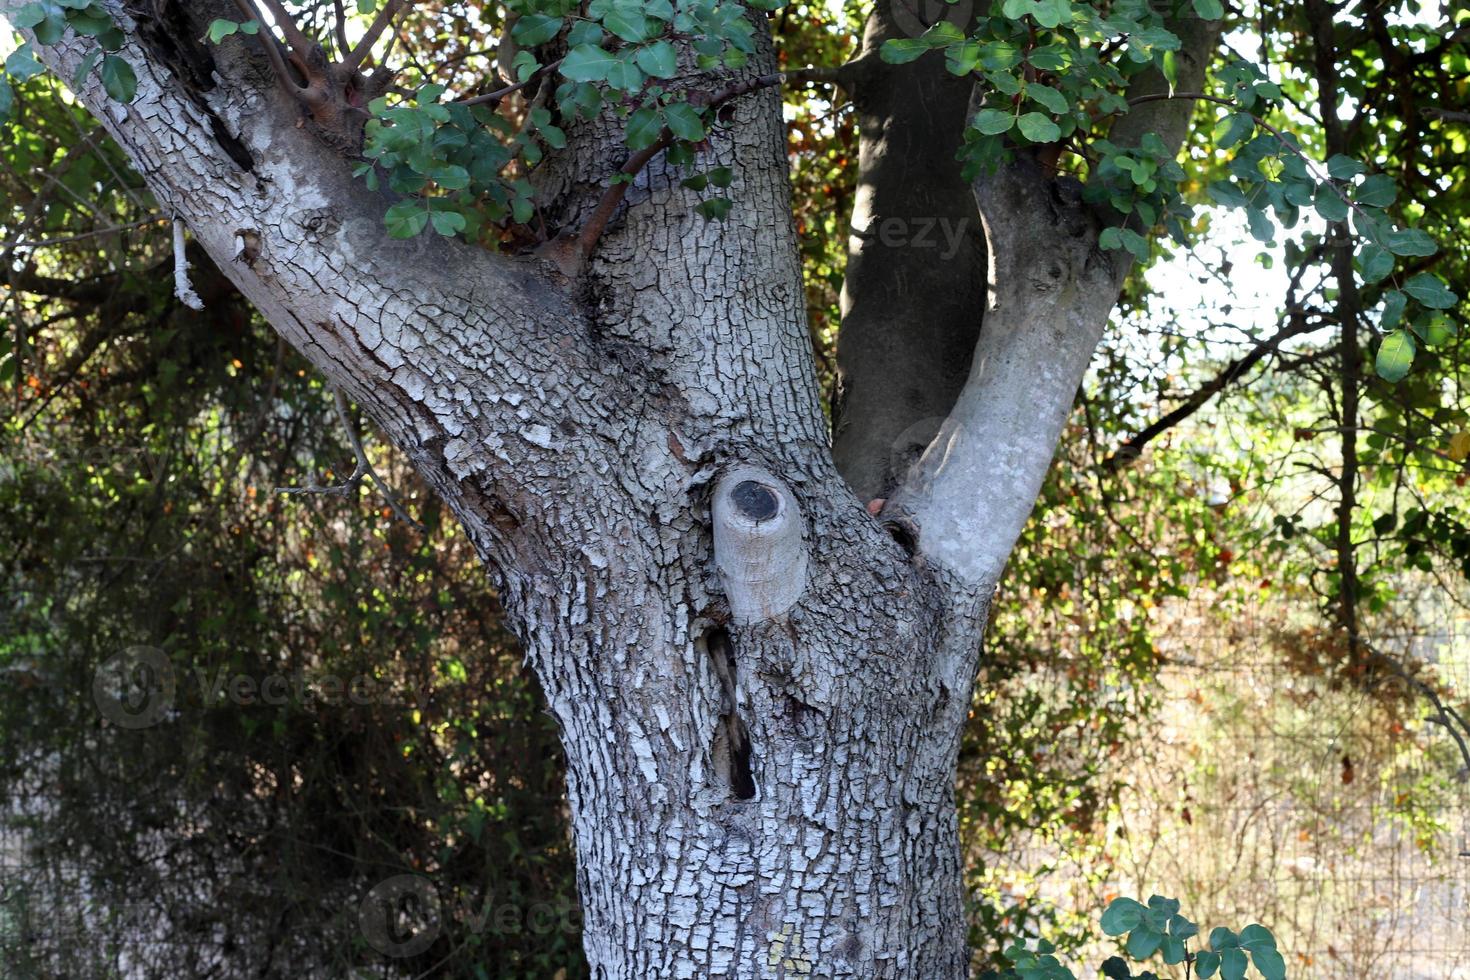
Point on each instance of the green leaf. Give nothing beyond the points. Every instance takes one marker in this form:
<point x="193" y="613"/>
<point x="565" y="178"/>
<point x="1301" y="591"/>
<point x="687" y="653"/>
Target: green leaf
<point x="716" y="208"/>
<point x="1263" y="229"/>
<point x="992" y="122"/>
<point x="1173" y="948"/>
<point x="1394" y="303"/>
<point x="1340" y="167"/>
<point x="119" y="79"/>
<point x="1374" y="262"/>
<point x="1048" y="97"/>
<point x="658" y="59"/>
<point x="721" y="176"/>
<point x="1330" y="204"/>
<point x="1038" y="128"/>
<point x="447" y="223"/>
<point x="1395" y="356"/>
<point x="1226" y="193"/>
<point x="1430" y="291"/>
<point x="587" y="63"/>
<point x="449" y="176"/>
<point x="1051" y="13"/>
<point x="628" y="22"/>
<point x="1222" y="939"/>
<point x="1410" y="241"/>
<point x="684" y="122"/>
<point x="1143" y="942"/>
<point x="1269" y="963"/>
<point x="85" y="68"/>
<point x="1256" y="936"/>
<point x="1122" y="914"/>
<point x="22" y="66"/>
<point x="644" y="127"/>
<point x="1205" y="964"/>
<point x="90" y="21"/>
<point x="406" y="219"/>
<point x="1209" y="9"/>
<point x="221" y="29"/>
<point x="1233" y="964"/>
<point x="1234" y="128"/>
<point x="7" y="99"/>
<point x="902" y="50"/>
<point x="534" y="29"/>
<point x="1378" y="191"/>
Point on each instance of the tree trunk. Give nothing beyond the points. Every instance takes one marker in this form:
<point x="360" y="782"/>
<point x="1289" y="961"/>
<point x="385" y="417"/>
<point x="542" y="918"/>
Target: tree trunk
<point x="761" y="687"/>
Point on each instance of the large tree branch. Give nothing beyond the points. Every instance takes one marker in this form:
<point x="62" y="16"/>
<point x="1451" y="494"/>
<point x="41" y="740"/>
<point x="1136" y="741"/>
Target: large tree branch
<point x="463" y="356"/>
<point x="913" y="291"/>
<point x="1051" y="290"/>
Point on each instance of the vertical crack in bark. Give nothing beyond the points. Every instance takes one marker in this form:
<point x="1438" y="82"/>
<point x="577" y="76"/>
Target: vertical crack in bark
<point x="731" y="748"/>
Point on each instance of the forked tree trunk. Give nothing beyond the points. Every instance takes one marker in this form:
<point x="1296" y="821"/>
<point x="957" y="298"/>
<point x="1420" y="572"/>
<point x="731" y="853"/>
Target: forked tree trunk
<point x="761" y="687"/>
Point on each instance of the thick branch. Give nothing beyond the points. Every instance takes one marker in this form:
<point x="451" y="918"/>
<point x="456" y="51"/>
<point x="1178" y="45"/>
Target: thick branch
<point x="1051" y="290"/>
<point x="913" y="291"/>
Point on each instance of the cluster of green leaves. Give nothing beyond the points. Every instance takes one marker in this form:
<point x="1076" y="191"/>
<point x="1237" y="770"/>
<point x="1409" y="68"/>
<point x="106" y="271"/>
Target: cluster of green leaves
<point x="461" y="166"/>
<point x="1157" y="928"/>
<point x="1058" y="72"/>
<point x="50" y="20"/>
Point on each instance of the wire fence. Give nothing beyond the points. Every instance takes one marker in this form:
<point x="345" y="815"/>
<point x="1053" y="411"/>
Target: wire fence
<point x="1277" y="784"/>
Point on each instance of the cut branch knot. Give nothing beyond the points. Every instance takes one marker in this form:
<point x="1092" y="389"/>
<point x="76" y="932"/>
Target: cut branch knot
<point x="759" y="551"/>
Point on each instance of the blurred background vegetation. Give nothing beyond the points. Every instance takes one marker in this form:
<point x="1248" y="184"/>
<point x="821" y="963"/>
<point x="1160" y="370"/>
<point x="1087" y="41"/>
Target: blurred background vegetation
<point x="1179" y="694"/>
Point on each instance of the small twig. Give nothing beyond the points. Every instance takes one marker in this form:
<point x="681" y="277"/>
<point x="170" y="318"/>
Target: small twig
<point x="501" y="93"/>
<point x="300" y="43"/>
<point x="272" y="47"/>
<point x="362" y="471"/>
<point x="613" y="195"/>
<point x="354" y="59"/>
<point x="95" y="233"/>
<point x="1445" y="715"/>
<point x="341" y="22"/>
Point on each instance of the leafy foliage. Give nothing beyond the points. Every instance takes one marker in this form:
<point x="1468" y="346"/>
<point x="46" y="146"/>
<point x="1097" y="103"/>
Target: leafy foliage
<point x="1159" y="929"/>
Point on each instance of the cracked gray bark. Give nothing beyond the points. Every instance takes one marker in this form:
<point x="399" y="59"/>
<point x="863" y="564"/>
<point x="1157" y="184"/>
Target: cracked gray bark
<point x="760" y="772"/>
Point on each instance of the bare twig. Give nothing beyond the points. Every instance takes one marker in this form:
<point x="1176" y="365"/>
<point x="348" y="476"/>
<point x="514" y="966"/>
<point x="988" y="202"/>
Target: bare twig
<point x="300" y="43"/>
<point x="94" y="233"/>
<point x="501" y="93"/>
<point x="341" y="25"/>
<point x="354" y="59"/>
<point x="363" y="471"/>
<point x="272" y="47"/>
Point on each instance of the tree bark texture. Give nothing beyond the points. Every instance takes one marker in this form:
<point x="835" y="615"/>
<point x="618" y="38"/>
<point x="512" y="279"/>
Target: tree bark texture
<point x="761" y="687"/>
